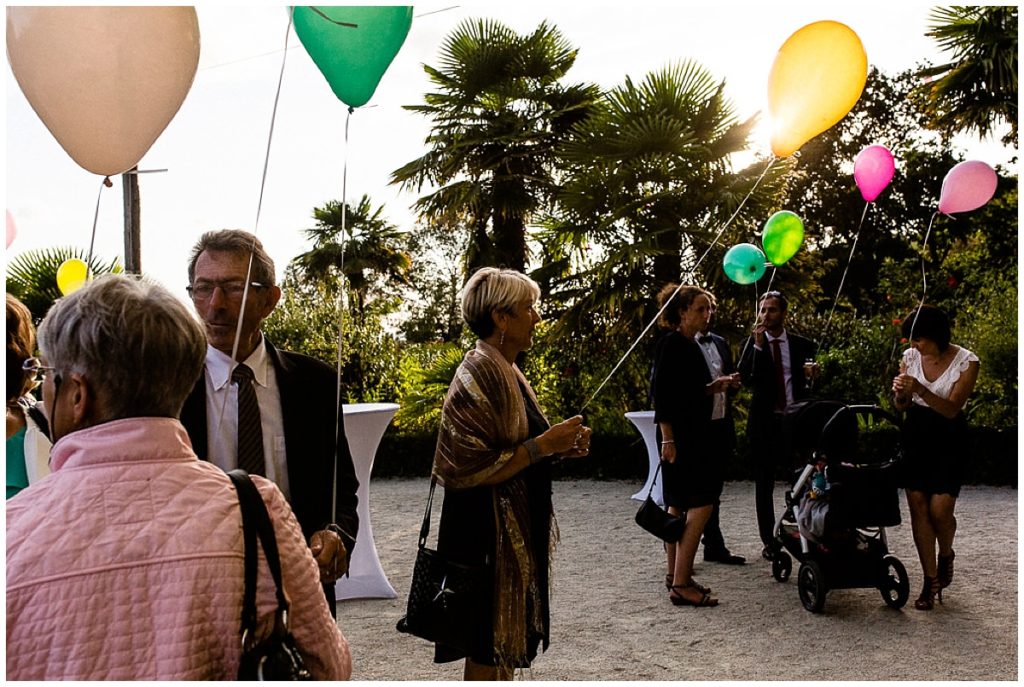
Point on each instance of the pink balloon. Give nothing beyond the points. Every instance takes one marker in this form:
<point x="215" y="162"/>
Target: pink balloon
<point x="12" y="230"/>
<point x="967" y="186"/>
<point x="873" y="170"/>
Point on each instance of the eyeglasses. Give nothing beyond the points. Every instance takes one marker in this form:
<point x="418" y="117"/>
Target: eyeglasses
<point x="232" y="290"/>
<point x="38" y="370"/>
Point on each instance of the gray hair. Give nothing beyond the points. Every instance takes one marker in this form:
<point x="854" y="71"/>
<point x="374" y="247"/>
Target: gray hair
<point x="493" y="289"/>
<point x="238" y="242"/>
<point x="132" y="339"/>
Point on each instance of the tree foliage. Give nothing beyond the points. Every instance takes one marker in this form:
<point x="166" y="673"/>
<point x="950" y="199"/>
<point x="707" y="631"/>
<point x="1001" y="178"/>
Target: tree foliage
<point x="977" y="88"/>
<point x="32" y="275"/>
<point x="499" y="111"/>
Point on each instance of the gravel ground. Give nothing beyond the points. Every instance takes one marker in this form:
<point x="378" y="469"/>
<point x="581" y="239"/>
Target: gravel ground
<point x="611" y="619"/>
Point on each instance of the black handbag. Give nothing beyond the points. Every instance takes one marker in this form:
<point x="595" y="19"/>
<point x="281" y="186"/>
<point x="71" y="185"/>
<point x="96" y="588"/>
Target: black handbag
<point x="276" y="657"/>
<point x="656" y="520"/>
<point x="444" y="597"/>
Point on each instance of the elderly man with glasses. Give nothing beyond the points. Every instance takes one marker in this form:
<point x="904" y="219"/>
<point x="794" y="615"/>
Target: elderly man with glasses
<point x="268" y="411"/>
<point x="779" y="366"/>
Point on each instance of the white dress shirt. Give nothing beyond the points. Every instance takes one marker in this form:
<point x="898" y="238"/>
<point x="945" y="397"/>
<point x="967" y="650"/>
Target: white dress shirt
<point x="222" y="413"/>
<point x="714" y="360"/>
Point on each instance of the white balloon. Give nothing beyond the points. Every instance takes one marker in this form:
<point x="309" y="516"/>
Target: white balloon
<point x="106" y="81"/>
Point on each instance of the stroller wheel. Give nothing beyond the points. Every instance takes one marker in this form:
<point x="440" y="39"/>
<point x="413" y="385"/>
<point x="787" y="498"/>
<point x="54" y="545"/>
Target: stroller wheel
<point x="812" y="587"/>
<point x="782" y="566"/>
<point x="895" y="585"/>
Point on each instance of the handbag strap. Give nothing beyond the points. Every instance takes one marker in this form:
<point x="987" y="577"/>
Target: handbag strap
<point x="655" y="480"/>
<point x="425" y="527"/>
<point x="256" y="523"/>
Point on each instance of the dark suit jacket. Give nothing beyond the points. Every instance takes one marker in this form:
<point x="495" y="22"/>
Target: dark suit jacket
<point x="308" y="391"/>
<point x="758" y="371"/>
<point x="728" y="367"/>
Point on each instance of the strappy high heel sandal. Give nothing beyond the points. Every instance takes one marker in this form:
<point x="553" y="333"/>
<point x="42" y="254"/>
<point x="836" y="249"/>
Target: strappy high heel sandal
<point x="946" y="569"/>
<point x="693" y="583"/>
<point x="706" y="600"/>
<point x="931" y="589"/>
<point x="699" y="587"/>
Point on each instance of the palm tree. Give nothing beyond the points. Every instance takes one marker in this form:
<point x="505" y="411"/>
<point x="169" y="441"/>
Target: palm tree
<point x="648" y="183"/>
<point x="978" y="87"/>
<point x="370" y="258"/>
<point x="498" y="114"/>
<point x="32" y="276"/>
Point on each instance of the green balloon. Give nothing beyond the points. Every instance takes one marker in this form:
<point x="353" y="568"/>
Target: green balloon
<point x="352" y="46"/>
<point x="743" y="263"/>
<point x="782" y="237"/>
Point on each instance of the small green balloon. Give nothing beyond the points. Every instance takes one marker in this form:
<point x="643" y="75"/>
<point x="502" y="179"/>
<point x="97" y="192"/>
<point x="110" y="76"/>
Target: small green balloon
<point x="743" y="263"/>
<point x="782" y="237"/>
<point x="352" y="46"/>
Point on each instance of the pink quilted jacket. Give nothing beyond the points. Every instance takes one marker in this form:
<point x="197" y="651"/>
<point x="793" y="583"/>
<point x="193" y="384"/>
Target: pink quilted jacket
<point x="125" y="563"/>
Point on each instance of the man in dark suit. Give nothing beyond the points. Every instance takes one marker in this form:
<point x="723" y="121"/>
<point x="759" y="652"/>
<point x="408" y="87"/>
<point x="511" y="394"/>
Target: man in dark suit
<point x="773" y="362"/>
<point x="296" y="437"/>
<point x="719" y="359"/>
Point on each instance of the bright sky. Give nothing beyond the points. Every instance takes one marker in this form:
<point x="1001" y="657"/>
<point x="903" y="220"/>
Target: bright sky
<point x="215" y="147"/>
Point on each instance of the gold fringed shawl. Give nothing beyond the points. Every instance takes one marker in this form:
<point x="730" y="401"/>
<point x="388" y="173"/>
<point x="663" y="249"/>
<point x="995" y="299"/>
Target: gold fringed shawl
<point x="482" y="423"/>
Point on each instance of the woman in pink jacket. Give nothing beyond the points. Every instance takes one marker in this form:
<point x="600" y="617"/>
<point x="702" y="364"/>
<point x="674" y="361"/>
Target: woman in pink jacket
<point x="126" y="562"/>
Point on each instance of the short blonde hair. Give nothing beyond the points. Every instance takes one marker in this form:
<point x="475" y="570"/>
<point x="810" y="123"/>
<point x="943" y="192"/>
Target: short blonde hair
<point x="492" y="289"/>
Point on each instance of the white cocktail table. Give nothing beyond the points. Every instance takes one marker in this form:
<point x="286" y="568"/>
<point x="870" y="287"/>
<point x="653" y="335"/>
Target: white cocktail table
<point x="365" y="424"/>
<point x="644" y="421"/>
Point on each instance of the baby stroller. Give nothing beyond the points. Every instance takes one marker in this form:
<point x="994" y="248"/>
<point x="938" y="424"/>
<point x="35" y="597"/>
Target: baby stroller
<point x="837" y="511"/>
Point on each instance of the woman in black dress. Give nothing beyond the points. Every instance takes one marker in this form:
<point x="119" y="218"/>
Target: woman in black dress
<point x="936" y="379"/>
<point x="492" y="458"/>
<point x="683" y="404"/>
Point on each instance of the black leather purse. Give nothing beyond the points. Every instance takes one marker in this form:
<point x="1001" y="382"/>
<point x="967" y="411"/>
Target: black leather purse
<point x="444" y="598"/>
<point x="276" y="657"/>
<point x="656" y="520"/>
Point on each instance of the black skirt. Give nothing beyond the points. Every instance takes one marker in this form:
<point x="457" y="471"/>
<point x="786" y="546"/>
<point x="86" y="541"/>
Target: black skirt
<point x="934" y="450"/>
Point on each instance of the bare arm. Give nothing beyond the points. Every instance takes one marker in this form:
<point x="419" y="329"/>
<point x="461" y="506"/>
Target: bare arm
<point x="947" y="407"/>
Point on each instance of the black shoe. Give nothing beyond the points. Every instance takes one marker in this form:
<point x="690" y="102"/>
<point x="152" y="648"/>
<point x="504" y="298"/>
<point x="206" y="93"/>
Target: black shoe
<point x="723" y="556"/>
<point x="767" y="554"/>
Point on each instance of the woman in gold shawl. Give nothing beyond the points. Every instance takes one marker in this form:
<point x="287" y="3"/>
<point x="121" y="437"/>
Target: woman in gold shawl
<point x="493" y="459"/>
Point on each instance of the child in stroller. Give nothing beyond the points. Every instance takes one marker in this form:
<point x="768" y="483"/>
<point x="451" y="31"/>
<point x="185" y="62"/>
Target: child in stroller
<point x="837" y="511"/>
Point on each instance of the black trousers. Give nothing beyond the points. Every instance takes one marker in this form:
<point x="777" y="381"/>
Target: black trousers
<point x="724" y="438"/>
<point x="768" y="452"/>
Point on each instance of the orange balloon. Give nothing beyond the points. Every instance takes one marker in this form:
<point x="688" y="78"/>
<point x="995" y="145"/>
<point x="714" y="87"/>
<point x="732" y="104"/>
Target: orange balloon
<point x="106" y="81"/>
<point x="817" y="77"/>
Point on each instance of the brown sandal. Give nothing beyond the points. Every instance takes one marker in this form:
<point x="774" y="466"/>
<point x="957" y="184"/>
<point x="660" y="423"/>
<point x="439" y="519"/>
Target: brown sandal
<point x="706" y="600"/>
<point x="693" y="583"/>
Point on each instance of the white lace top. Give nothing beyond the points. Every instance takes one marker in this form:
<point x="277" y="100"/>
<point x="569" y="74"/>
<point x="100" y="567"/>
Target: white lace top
<point x="943" y="386"/>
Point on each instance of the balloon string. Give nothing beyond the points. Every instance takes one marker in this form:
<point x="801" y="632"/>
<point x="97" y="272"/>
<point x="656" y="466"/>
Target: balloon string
<point x="924" y="276"/>
<point x="342" y="306"/>
<point x="842" y="281"/>
<point x="95" y="221"/>
<point x="669" y="299"/>
<point x="259" y="208"/>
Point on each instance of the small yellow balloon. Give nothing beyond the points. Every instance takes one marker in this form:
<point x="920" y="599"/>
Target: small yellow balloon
<point x="817" y="77"/>
<point x="72" y="275"/>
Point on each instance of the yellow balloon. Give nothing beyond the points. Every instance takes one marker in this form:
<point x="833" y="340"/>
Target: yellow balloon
<point x="816" y="78"/>
<point x="72" y="275"/>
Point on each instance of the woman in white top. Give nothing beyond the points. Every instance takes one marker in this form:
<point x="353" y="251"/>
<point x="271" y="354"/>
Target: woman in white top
<point x="936" y="378"/>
